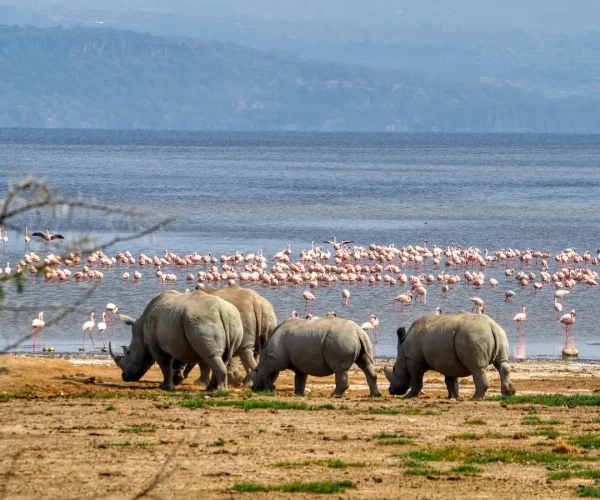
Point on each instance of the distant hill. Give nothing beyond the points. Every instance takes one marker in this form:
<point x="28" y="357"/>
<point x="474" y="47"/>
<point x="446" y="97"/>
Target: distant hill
<point x="105" y="78"/>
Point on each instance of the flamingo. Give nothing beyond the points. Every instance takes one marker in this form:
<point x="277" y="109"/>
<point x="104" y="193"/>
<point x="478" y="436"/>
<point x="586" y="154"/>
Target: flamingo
<point x="345" y="296"/>
<point x="47" y="237"/>
<point x="520" y="318"/>
<point x="568" y="320"/>
<point x="477" y="304"/>
<point x="371" y="325"/>
<point x="308" y="296"/>
<point x="561" y="294"/>
<point x="294" y="314"/>
<point x="508" y="295"/>
<point x="27" y="238"/>
<point x="88" y="326"/>
<point x="558" y="308"/>
<point x="112" y="308"/>
<point x="438" y="311"/>
<point x="7" y="269"/>
<point x="37" y="325"/>
<point x="405" y="298"/>
<point x="102" y="328"/>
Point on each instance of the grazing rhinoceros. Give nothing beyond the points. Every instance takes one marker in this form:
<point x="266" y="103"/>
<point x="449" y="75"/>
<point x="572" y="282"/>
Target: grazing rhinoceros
<point x="258" y="320"/>
<point x="180" y="328"/>
<point x="455" y="345"/>
<point x="318" y="347"/>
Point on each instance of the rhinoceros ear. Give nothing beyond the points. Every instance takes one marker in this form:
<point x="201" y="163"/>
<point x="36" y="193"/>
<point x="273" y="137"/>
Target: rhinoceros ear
<point x="128" y="320"/>
<point x="401" y="332"/>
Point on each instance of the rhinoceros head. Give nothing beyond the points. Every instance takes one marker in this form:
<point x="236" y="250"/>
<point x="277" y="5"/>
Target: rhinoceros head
<point x="265" y="376"/>
<point x="136" y="359"/>
<point x="399" y="378"/>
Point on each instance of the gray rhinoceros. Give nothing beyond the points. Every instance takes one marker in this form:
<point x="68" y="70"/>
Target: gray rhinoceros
<point x="318" y="347"/>
<point x="258" y="320"/>
<point x="455" y="345"/>
<point x="180" y="328"/>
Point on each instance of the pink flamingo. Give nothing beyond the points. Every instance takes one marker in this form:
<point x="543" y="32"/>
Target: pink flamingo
<point x="405" y="298"/>
<point x="371" y="325"/>
<point x="520" y="318"/>
<point x="508" y="295"/>
<point x="308" y="296"/>
<point x="438" y="311"/>
<point x="558" y="308"/>
<point x="568" y="320"/>
<point x="88" y="326"/>
<point x="477" y="304"/>
<point x="345" y="296"/>
<point x="37" y="325"/>
<point x="294" y="314"/>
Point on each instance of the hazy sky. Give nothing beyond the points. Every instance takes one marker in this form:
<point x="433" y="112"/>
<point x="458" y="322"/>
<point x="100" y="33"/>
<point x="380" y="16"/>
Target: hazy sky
<point x="530" y="15"/>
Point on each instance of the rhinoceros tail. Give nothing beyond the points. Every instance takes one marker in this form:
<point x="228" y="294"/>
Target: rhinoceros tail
<point x="365" y="344"/>
<point x="500" y="350"/>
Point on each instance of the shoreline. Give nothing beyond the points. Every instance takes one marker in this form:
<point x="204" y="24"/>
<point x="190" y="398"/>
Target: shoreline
<point x="83" y="358"/>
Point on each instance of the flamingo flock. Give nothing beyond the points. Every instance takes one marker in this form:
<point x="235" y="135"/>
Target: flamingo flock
<point x="420" y="271"/>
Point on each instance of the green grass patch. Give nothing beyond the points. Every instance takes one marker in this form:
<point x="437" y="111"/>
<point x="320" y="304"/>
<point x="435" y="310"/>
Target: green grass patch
<point x="411" y="411"/>
<point x="476" y="421"/>
<point x="551" y="399"/>
<point x="253" y="404"/>
<point x="465" y="469"/>
<point x="260" y="431"/>
<point x="330" y="463"/>
<point x="386" y="439"/>
<point x="464" y="435"/>
<point x="491" y="455"/>
<point x="317" y="487"/>
<point x="589" y="441"/>
<point x="547" y="431"/>
<point x="417" y="472"/>
<point x="220" y="442"/>
<point x="122" y="443"/>
<point x="110" y="408"/>
<point x="538" y="421"/>
<point x="16" y="395"/>
<point x="588" y="491"/>
<point x="382" y="411"/>
<point x="568" y="474"/>
<point x="137" y="430"/>
<point x="597" y="420"/>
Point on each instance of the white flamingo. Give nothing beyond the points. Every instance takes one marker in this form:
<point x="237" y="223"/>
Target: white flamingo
<point x="88" y="326"/>
<point x="37" y="325"/>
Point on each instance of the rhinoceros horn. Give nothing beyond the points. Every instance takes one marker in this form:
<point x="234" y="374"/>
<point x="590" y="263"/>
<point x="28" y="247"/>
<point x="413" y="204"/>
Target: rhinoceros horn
<point x="388" y="374"/>
<point x="116" y="357"/>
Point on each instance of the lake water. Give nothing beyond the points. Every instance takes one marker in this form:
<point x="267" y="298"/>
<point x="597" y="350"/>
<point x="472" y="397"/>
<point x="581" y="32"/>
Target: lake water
<point x="263" y="191"/>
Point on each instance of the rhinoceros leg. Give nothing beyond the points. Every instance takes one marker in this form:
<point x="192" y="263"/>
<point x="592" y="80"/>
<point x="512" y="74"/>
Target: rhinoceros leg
<point x="218" y="380"/>
<point x="369" y="370"/>
<point x="416" y="371"/>
<point x="300" y="383"/>
<point x="341" y="383"/>
<point x="165" y="361"/>
<point x="452" y="385"/>
<point x="204" y="378"/>
<point x="505" y="384"/>
<point x="178" y="372"/>
<point x="247" y="357"/>
<point x="481" y="383"/>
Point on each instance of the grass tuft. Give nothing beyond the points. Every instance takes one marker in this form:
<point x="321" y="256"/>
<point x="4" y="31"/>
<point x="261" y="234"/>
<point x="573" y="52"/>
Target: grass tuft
<point x="476" y="421"/>
<point x="318" y="487"/>
<point x="110" y="408"/>
<point x="551" y="399"/>
<point x="588" y="491"/>
<point x="465" y="469"/>
<point x="588" y="441"/>
<point x="331" y="463"/>
<point x="137" y="430"/>
<point x="253" y="404"/>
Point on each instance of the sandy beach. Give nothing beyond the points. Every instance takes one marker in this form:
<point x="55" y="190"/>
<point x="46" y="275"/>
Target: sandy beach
<point x="63" y="437"/>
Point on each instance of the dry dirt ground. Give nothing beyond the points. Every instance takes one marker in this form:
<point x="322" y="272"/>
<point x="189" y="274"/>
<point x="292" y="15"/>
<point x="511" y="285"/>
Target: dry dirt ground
<point x="61" y="438"/>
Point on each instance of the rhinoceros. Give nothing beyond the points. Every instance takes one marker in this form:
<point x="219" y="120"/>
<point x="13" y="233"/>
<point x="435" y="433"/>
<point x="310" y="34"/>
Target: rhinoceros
<point x="316" y="347"/>
<point x="180" y="328"/>
<point x="258" y="319"/>
<point x="455" y="345"/>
